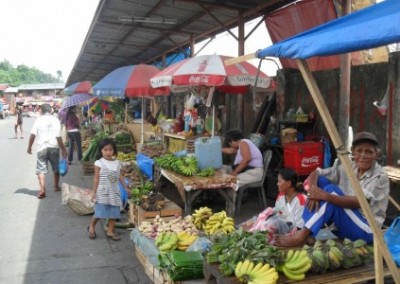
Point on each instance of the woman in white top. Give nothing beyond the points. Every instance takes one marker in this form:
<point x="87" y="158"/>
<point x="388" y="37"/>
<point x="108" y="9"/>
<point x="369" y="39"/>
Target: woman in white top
<point x="248" y="165"/>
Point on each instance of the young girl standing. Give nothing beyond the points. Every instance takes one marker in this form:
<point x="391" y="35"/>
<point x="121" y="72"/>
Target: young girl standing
<point x="290" y="196"/>
<point x="105" y="189"/>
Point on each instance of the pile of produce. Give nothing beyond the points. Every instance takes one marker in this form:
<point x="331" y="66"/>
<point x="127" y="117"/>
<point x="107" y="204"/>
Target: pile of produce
<point x="93" y="150"/>
<point x="176" y="225"/>
<point x="139" y="190"/>
<point x="153" y="149"/>
<point x="331" y="255"/>
<point x="133" y="173"/>
<point x="229" y="250"/>
<point x="126" y="157"/>
<point x="153" y="201"/>
<point x="186" y="166"/>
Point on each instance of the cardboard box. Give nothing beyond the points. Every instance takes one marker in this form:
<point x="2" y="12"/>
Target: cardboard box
<point x="303" y="157"/>
<point x="136" y="130"/>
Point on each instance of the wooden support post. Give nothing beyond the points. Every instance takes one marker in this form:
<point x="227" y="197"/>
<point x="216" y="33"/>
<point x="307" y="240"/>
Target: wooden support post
<point x="378" y="261"/>
<point x="343" y="156"/>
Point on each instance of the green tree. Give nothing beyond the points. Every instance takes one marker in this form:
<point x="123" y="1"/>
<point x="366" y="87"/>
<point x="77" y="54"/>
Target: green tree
<point x="23" y="74"/>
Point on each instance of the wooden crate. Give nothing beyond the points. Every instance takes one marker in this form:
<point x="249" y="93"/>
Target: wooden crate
<point x="88" y="168"/>
<point x="137" y="215"/>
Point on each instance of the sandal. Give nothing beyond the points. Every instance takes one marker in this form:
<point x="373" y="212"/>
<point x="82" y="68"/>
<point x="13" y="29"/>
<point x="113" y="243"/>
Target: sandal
<point x="41" y="195"/>
<point x="92" y="236"/>
<point x="114" y="237"/>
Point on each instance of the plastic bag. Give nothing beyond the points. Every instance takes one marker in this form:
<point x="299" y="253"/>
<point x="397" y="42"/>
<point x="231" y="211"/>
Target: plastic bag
<point x="392" y="239"/>
<point x="202" y="244"/>
<point x="145" y="165"/>
<point x="63" y="167"/>
<point x="78" y="199"/>
<point x="273" y="221"/>
<point x="124" y="194"/>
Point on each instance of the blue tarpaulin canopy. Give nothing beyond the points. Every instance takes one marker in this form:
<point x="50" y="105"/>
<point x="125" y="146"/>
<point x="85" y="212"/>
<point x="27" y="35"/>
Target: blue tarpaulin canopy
<point x="370" y="27"/>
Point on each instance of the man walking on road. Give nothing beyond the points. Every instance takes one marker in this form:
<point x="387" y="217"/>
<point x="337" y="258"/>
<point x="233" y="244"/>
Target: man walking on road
<point x="47" y="132"/>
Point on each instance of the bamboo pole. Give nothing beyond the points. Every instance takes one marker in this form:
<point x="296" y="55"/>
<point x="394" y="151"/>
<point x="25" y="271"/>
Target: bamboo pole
<point x="343" y="156"/>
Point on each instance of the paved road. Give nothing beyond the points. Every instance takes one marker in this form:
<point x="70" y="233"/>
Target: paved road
<point x="42" y="241"/>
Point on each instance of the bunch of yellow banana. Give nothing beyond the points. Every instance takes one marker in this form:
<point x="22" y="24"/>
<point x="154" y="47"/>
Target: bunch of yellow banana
<point x="255" y="273"/>
<point x="166" y="242"/>
<point x="185" y="239"/>
<point x="200" y="217"/>
<point x="296" y="265"/>
<point x="219" y="223"/>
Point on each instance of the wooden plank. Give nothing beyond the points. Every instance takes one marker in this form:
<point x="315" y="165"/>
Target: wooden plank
<point x="342" y="154"/>
<point x="393" y="173"/>
<point x="239" y="59"/>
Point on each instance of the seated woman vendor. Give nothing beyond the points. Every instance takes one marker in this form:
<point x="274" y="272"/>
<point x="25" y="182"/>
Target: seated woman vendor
<point x="248" y="163"/>
<point x="332" y="200"/>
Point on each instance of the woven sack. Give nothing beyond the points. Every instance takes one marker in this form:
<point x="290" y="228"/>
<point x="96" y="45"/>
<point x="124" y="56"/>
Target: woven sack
<point x="78" y="199"/>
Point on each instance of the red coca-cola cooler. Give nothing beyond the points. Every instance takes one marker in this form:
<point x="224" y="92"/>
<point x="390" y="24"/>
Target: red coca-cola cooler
<point x="303" y="157"/>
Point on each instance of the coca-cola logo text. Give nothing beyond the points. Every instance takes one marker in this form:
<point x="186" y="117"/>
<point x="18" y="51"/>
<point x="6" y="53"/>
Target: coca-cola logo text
<point x="198" y="79"/>
<point x="310" y="161"/>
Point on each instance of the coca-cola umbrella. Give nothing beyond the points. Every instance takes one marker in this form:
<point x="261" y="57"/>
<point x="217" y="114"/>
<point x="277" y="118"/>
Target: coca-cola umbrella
<point x="131" y="81"/>
<point x="84" y="87"/>
<point x="210" y="71"/>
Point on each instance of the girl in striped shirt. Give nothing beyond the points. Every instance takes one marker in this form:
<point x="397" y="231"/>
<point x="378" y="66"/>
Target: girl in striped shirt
<point x="106" y="193"/>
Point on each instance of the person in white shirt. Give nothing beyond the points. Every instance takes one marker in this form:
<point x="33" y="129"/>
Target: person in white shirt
<point x="46" y="131"/>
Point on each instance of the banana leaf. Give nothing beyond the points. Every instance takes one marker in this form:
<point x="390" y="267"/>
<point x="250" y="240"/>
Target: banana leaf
<point x="181" y="265"/>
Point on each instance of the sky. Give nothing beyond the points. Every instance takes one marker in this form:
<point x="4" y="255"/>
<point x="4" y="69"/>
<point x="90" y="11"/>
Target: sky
<point x="49" y="34"/>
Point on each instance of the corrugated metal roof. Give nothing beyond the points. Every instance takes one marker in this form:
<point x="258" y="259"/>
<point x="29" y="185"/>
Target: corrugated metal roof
<point x="45" y="86"/>
<point x="118" y="36"/>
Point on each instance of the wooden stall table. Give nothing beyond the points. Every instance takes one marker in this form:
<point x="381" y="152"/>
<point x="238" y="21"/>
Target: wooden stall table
<point x="394" y="177"/>
<point x="190" y="187"/>
<point x="358" y="274"/>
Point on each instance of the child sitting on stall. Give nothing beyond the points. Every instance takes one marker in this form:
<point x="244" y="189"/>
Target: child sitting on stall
<point x="286" y="216"/>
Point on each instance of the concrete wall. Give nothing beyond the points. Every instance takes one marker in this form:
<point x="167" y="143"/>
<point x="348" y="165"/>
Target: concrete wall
<point x="368" y="84"/>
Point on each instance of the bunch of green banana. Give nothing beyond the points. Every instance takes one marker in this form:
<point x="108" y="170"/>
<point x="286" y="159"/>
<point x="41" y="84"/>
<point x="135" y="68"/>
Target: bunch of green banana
<point x="185" y="239"/>
<point x="335" y="255"/>
<point x="200" y="217"/>
<point x="166" y="242"/>
<point x="318" y="256"/>
<point x="182" y="165"/>
<point x="207" y="172"/>
<point x="351" y="257"/>
<point x="296" y="265"/>
<point x="255" y="273"/>
<point x="219" y="223"/>
<point x="363" y="250"/>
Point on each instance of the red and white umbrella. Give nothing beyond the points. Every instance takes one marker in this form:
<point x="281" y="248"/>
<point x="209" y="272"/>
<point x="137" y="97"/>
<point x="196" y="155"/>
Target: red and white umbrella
<point x="210" y="71"/>
<point x="83" y="87"/>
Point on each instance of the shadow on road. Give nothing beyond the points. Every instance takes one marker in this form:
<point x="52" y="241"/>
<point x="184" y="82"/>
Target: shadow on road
<point x="27" y="191"/>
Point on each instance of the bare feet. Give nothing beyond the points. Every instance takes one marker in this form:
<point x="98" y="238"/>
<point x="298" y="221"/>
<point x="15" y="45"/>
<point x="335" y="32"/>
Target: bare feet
<point x="57" y="188"/>
<point x="296" y="240"/>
